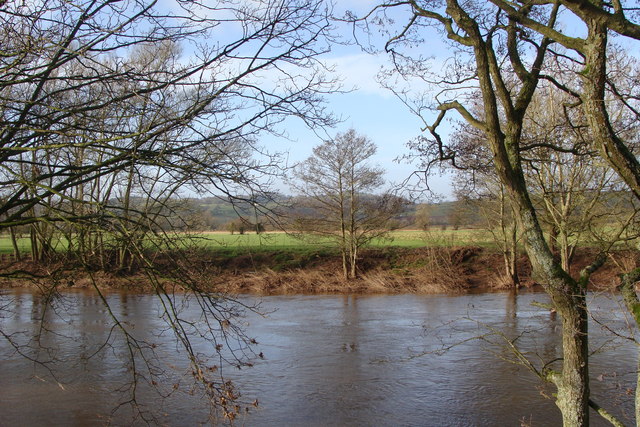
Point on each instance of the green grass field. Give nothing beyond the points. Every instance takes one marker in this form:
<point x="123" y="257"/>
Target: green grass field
<point x="238" y="243"/>
<point x="399" y="238"/>
<point x="6" y="247"/>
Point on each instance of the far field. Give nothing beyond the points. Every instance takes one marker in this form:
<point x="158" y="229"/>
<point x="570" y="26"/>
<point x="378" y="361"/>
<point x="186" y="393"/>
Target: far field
<point x="269" y="241"/>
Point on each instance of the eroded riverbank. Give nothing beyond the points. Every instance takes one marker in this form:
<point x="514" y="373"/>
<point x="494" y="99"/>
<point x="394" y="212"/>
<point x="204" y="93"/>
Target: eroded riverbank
<point x="389" y="270"/>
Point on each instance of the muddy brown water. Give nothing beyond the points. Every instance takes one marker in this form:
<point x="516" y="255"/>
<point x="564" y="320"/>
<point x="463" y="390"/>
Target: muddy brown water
<point x="328" y="360"/>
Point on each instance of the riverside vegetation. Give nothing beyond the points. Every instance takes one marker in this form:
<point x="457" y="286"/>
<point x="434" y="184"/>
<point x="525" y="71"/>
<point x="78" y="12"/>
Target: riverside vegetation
<point x="407" y="261"/>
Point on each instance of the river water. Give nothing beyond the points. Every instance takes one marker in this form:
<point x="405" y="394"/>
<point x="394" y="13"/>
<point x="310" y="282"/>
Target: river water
<point x="393" y="360"/>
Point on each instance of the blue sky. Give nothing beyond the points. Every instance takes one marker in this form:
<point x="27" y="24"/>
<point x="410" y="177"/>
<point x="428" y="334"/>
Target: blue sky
<point x="368" y="108"/>
<point x="378" y="115"/>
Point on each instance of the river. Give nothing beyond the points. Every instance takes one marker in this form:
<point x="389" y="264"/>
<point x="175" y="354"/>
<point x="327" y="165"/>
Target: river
<point x="390" y="360"/>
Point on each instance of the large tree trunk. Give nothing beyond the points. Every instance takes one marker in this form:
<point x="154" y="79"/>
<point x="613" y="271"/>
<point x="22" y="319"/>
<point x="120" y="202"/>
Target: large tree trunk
<point x="627" y="288"/>
<point x="510" y="234"/>
<point x="573" y="384"/>
<point x="569" y="300"/>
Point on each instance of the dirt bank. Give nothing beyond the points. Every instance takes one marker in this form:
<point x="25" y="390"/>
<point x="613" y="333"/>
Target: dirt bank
<point x="384" y="270"/>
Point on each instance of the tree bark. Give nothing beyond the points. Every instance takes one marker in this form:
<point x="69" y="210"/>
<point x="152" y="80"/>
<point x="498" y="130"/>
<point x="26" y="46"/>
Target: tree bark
<point x="627" y="288"/>
<point x="569" y="301"/>
<point x="573" y="384"/>
<point x="14" y="243"/>
<point x="608" y="144"/>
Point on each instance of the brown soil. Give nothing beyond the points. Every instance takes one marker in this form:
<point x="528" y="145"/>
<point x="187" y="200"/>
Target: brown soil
<point x="386" y="270"/>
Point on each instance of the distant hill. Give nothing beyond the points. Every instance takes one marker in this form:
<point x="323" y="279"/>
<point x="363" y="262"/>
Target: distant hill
<point x="217" y="213"/>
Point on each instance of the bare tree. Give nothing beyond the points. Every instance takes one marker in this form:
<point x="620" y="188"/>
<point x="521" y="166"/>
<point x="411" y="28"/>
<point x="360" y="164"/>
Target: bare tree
<point x="337" y="182"/>
<point x="423" y="218"/>
<point x="590" y="56"/>
<point x="490" y="201"/>
<point x="179" y="113"/>
<point x="575" y="193"/>
<point x="110" y="109"/>
<point x="477" y="185"/>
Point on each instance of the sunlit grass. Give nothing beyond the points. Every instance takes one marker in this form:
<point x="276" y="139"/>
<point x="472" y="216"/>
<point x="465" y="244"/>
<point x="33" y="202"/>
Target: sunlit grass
<point x="435" y="237"/>
<point x="399" y="238"/>
<point x="6" y="247"/>
<point x="271" y="241"/>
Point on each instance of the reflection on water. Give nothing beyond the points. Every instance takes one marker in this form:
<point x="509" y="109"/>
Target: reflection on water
<point x="328" y="360"/>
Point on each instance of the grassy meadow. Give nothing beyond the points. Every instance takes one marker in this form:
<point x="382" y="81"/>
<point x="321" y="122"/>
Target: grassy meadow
<point x="272" y="241"/>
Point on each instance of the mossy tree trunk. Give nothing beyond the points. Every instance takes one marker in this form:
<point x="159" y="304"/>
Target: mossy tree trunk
<point x="627" y="288"/>
<point x="567" y="295"/>
<point x="501" y="115"/>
